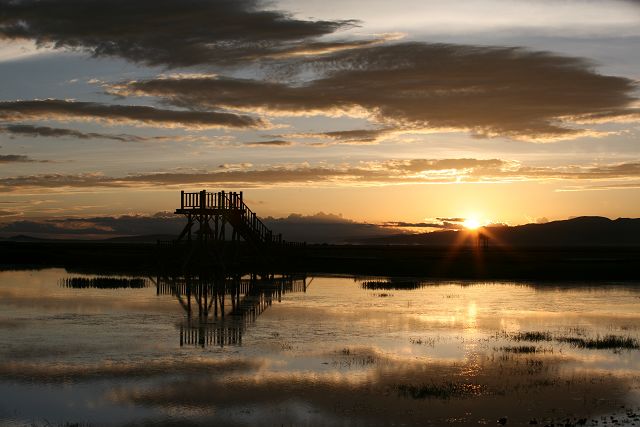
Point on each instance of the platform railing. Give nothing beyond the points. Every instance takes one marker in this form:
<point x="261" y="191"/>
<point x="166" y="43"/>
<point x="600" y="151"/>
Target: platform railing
<point x="233" y="201"/>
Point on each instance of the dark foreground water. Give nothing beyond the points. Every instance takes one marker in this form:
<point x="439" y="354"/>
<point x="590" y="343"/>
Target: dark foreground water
<point x="344" y="351"/>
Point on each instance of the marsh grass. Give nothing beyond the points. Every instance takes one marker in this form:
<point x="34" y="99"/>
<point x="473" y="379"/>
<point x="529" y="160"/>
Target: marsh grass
<point x="520" y="349"/>
<point x="579" y="340"/>
<point x="103" y="283"/>
<point x="431" y="342"/>
<point x="349" y="359"/>
<point x="376" y="285"/>
<point x="607" y="342"/>
<point x="531" y="336"/>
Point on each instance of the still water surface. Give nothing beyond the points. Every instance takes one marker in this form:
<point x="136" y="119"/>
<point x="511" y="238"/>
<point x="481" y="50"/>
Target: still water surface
<point x="336" y="351"/>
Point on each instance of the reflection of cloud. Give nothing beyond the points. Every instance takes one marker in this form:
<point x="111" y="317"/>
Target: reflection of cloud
<point x="55" y="109"/>
<point x="502" y="384"/>
<point x="47" y="372"/>
<point x="15" y="158"/>
<point x="490" y="91"/>
<point x="174" y="33"/>
<point x="417" y="171"/>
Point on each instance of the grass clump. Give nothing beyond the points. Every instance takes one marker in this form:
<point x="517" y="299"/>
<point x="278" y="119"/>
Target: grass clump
<point x="447" y="390"/>
<point x="532" y="336"/>
<point x="607" y="342"/>
<point x="376" y="285"/>
<point x="103" y="283"/>
<point x="520" y="349"/>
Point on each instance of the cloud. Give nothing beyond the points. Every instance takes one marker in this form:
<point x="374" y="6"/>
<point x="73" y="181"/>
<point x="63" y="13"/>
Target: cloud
<point x="172" y="32"/>
<point x="51" y="132"/>
<point x="270" y="143"/>
<point x="456" y="219"/>
<point x="8" y="213"/>
<point x="490" y="91"/>
<point x="348" y="137"/>
<point x="244" y="165"/>
<point x="15" y="158"/>
<point x="55" y="109"/>
<point x="388" y="172"/>
<point x="437" y="225"/>
<point x="324" y="228"/>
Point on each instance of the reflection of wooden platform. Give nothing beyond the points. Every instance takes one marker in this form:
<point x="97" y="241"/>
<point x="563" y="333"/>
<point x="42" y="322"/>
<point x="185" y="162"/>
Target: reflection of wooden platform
<point x="225" y="307"/>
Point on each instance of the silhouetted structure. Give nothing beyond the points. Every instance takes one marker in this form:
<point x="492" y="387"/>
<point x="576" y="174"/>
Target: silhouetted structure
<point x="483" y="241"/>
<point x="224" y="235"/>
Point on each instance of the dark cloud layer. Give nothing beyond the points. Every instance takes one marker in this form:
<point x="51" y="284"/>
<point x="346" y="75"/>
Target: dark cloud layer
<point x="14" y="158"/>
<point x="488" y="90"/>
<point x="416" y="171"/>
<point x="269" y="143"/>
<point x="50" y="132"/>
<point x="167" y="32"/>
<point x="52" y="109"/>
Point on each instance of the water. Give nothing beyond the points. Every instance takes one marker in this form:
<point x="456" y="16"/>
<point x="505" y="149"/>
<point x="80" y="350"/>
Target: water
<point x="398" y="353"/>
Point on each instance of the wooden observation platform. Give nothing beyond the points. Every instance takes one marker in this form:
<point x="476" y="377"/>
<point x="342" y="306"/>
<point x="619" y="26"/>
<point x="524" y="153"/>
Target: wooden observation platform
<point x="220" y="227"/>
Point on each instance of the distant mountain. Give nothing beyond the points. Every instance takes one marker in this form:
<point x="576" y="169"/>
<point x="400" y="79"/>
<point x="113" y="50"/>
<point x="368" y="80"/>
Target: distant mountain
<point x="24" y="238"/>
<point x="149" y="238"/>
<point x="580" y="231"/>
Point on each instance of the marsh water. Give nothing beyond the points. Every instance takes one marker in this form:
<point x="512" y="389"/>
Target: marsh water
<point x="113" y="351"/>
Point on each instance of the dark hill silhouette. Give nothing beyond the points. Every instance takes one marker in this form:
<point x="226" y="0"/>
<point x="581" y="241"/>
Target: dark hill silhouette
<point x="24" y="238"/>
<point x="582" y="231"/>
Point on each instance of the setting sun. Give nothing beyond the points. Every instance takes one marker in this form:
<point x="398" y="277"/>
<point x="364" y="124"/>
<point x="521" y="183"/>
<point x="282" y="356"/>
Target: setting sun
<point x="471" y="223"/>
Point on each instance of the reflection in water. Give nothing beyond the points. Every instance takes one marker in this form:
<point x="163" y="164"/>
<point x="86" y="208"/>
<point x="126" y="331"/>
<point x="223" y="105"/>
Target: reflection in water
<point x="391" y="283"/>
<point x="334" y="353"/>
<point x="225" y="306"/>
<point x="103" y="282"/>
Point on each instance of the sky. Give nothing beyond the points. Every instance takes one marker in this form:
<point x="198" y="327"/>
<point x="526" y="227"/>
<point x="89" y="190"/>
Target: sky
<point x="375" y="112"/>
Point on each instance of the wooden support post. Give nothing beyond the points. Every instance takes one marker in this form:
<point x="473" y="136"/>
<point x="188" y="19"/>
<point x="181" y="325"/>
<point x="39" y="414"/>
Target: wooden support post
<point x="203" y="199"/>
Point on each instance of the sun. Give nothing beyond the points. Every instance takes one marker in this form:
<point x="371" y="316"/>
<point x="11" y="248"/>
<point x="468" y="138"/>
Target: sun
<point x="471" y="223"/>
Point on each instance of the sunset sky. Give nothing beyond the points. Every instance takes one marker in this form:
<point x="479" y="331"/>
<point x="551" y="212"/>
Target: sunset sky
<point x="509" y="111"/>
